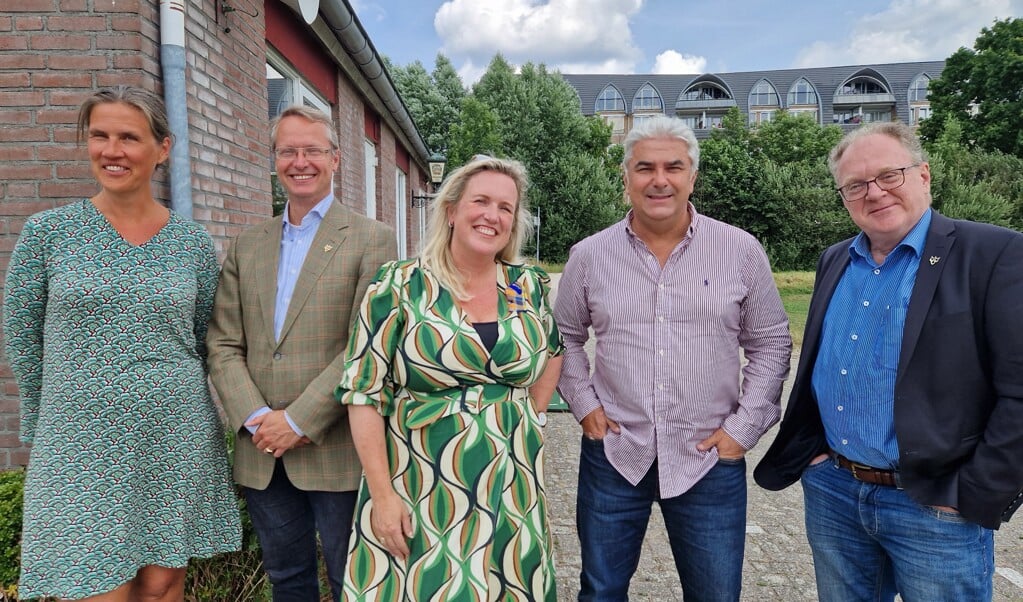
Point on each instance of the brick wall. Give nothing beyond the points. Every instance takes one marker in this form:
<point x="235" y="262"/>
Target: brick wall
<point x="54" y="53"/>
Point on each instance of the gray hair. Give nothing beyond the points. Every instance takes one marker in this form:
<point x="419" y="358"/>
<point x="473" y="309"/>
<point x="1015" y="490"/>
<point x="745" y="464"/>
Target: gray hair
<point x="310" y="114"/>
<point x="898" y="131"/>
<point x="662" y="126"/>
<point x="148" y="103"/>
<point x="436" y="246"/>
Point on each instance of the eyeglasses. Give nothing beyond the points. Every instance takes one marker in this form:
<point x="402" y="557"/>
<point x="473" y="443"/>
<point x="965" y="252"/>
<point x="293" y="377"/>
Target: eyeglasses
<point x="889" y="180"/>
<point x="311" y="152"/>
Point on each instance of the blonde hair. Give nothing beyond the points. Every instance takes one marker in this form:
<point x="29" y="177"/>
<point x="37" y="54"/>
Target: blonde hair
<point x="436" y="246"/>
<point x="309" y="114"/>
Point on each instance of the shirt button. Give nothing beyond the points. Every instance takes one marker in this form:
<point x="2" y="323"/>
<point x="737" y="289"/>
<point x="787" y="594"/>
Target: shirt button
<point x="876" y="271"/>
<point x="661" y="352"/>
<point x="855" y="337"/>
<point x="278" y="356"/>
<point x="661" y="286"/>
<point x="660" y="318"/>
<point x="843" y="371"/>
<point x="866" y="304"/>
<point x="845" y="442"/>
<point x="840" y="408"/>
<point x="660" y="387"/>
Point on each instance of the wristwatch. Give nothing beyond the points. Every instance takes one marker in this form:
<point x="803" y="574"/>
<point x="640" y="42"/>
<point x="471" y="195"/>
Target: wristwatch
<point x="541" y="418"/>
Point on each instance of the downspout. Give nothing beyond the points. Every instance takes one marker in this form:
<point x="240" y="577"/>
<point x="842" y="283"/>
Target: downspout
<point x="172" y="62"/>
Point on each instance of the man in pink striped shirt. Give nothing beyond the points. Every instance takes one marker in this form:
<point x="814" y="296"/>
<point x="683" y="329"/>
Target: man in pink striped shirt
<point x="676" y="301"/>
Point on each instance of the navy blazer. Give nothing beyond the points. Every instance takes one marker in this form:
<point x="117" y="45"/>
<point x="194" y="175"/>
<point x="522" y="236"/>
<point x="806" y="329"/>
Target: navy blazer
<point x="959" y="387"/>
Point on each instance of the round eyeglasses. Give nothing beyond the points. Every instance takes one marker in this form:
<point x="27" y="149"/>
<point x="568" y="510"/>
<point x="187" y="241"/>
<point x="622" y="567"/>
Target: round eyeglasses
<point x="889" y="180"/>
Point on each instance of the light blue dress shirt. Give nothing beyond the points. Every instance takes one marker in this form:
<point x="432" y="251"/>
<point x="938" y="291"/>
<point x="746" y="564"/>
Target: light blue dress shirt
<point x="854" y="377"/>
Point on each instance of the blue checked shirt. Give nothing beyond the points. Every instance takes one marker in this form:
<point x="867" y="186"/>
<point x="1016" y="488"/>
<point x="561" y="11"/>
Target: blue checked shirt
<point x="854" y="377"/>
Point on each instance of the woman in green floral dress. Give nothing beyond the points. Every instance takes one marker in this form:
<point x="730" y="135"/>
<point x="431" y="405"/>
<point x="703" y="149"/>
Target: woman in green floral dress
<point x="105" y="321"/>
<point x="449" y="371"/>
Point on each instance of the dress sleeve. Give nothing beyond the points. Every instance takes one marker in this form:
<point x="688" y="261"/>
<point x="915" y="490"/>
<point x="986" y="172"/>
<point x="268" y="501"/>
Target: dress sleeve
<point x="542" y="303"/>
<point x="24" y="312"/>
<point x="367" y="378"/>
<point x="207" y="272"/>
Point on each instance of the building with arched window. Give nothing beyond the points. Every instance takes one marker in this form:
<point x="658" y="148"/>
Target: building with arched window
<point x="845" y="96"/>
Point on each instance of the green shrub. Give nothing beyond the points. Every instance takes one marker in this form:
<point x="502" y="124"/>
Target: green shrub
<point x="12" y="484"/>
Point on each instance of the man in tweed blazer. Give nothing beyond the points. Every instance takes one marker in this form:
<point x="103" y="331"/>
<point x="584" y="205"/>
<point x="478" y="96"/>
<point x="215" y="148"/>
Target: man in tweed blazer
<point x="277" y="338"/>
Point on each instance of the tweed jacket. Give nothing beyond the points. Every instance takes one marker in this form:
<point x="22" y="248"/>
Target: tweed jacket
<point x="958" y="408"/>
<point x="250" y="369"/>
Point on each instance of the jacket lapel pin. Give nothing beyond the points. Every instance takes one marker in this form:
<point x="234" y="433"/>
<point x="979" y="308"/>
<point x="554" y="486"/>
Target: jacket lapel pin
<point x="327" y="249"/>
<point x="935" y="259"/>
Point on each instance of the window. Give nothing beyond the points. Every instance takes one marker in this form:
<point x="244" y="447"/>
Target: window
<point x="918" y="89"/>
<point x="705" y="91"/>
<point x="609" y="100"/>
<point x="758" y="117"/>
<point x="861" y="85"/>
<point x="802" y="93"/>
<point x="874" y="116"/>
<point x="400" y="215"/>
<point x="918" y="114"/>
<point x="617" y="123"/>
<point x="763" y="95"/>
<point x="811" y="113"/>
<point x="694" y="122"/>
<point x="647" y="99"/>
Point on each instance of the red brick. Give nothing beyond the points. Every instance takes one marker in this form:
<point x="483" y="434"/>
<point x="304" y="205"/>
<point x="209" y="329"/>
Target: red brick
<point x="131" y="79"/>
<point x="59" y="152"/>
<point x="119" y="42"/>
<point x="129" y="61"/>
<point x="63" y="41"/>
<point x="29" y="6"/>
<point x="25" y="171"/>
<point x="125" y="23"/>
<point x="23" y="190"/>
<point x="56" y="116"/>
<point x="61" y="79"/>
<point x="9" y="440"/>
<point x="22" y="61"/>
<point x="78" y="62"/>
<point x="70" y="6"/>
<point x="68" y="135"/>
<point x="12" y="117"/>
<point x="14" y="80"/>
<point x="28" y="23"/>
<point x="28" y="207"/>
<point x="21" y="99"/>
<point x="12" y="42"/>
<point x="26" y="134"/>
<point x="67" y="98"/>
<point x="74" y="171"/>
<point x="115" y="6"/>
<point x="6" y="23"/>
<point x="19" y="457"/>
<point x="77" y="23"/>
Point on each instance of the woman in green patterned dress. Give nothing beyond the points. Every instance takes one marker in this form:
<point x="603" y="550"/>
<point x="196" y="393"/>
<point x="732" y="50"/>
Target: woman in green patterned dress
<point x="105" y="320"/>
<point x="449" y="370"/>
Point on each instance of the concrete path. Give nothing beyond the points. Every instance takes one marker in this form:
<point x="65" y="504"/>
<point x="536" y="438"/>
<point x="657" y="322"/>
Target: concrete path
<point x="778" y="565"/>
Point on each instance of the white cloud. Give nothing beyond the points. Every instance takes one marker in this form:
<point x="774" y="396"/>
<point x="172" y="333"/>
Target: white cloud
<point x="575" y="36"/>
<point x="672" y="62"/>
<point x="909" y="30"/>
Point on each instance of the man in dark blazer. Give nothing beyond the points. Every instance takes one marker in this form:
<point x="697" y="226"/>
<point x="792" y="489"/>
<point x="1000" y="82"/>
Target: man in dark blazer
<point x="288" y="292"/>
<point x="905" y="423"/>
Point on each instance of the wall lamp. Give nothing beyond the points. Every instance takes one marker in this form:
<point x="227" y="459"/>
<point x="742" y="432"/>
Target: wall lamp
<point x="437" y="163"/>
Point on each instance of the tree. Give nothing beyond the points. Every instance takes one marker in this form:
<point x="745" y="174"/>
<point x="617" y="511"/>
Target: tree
<point x="792" y="138"/>
<point x="432" y="100"/>
<point x="981" y="90"/>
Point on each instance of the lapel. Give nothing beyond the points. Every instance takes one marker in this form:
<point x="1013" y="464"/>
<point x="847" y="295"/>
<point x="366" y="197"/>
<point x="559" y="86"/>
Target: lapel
<point x="831" y="272"/>
<point x="266" y="255"/>
<point x="933" y="260"/>
<point x="326" y="244"/>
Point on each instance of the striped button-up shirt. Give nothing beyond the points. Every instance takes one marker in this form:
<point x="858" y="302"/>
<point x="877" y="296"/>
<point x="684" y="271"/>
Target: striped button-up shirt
<point x="668" y="363"/>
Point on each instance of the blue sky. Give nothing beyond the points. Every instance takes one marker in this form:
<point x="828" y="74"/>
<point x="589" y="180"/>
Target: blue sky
<point x="675" y="36"/>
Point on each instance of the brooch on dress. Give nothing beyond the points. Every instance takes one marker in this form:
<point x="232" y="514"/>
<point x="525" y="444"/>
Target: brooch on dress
<point x="513" y="295"/>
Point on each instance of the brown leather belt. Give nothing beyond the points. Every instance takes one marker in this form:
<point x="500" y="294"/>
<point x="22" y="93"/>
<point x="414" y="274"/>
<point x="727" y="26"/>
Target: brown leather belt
<point x="868" y="474"/>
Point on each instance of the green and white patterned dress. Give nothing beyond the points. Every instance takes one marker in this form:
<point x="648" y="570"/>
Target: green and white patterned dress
<point x="107" y="342"/>
<point x="463" y="442"/>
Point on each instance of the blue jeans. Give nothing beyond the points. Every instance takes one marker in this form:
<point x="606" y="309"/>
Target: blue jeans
<point x="286" y="520"/>
<point x="870" y="542"/>
<point x="706" y="528"/>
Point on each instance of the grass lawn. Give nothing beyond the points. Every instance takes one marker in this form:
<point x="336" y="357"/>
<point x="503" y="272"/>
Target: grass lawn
<point x="795" y="289"/>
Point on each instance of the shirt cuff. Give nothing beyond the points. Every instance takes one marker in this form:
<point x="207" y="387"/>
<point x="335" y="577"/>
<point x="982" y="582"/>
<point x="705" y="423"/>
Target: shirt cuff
<point x="255" y="427"/>
<point x="292" y="424"/>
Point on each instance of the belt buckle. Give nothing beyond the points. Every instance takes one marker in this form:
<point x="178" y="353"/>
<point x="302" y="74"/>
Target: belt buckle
<point x="854" y="466"/>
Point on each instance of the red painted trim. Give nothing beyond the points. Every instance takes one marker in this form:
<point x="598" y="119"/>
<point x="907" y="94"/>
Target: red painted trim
<point x="401" y="157"/>
<point x="287" y="33"/>
<point x="372" y="123"/>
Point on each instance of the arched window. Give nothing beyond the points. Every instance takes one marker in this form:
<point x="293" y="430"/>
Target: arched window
<point x="802" y="93"/>
<point x="918" y="89"/>
<point x="609" y="100"/>
<point x="705" y="91"/>
<point x="861" y="85"/>
<point x="763" y="94"/>
<point x="647" y="99"/>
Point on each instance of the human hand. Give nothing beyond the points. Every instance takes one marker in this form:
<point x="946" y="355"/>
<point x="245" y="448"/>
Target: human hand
<point x="728" y="448"/>
<point x="274" y="435"/>
<point x="392" y="526"/>
<point x="596" y="424"/>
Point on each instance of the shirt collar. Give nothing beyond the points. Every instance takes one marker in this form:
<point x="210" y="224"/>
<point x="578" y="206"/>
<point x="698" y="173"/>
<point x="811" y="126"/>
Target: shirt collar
<point x="914" y="239"/>
<point x="319" y="210"/>
<point x="694" y="222"/>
